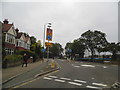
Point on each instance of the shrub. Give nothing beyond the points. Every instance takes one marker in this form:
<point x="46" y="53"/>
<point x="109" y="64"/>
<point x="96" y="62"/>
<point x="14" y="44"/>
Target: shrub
<point x="29" y="54"/>
<point x="13" y="57"/>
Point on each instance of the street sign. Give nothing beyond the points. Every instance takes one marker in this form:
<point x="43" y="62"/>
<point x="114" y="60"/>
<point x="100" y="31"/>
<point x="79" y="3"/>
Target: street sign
<point x="49" y="34"/>
<point x="48" y="44"/>
<point x="70" y="50"/>
<point x="43" y="50"/>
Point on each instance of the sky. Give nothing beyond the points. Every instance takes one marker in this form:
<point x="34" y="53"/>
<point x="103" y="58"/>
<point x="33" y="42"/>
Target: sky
<point x="69" y="19"/>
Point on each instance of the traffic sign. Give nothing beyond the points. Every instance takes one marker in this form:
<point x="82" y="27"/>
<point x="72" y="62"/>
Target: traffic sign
<point x="49" y="34"/>
<point x="48" y="44"/>
<point x="43" y="50"/>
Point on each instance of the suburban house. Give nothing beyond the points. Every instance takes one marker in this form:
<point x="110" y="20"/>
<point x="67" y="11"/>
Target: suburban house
<point x="22" y="41"/>
<point x="14" y="40"/>
<point x="9" y="33"/>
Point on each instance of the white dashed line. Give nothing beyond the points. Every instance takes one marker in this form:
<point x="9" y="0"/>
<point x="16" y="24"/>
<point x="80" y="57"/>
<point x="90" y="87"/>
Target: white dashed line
<point x="76" y="66"/>
<point x="78" y="84"/>
<point x="53" y="76"/>
<point x="80" y="81"/>
<point x="93" y="87"/>
<point x="66" y="78"/>
<point x="99" y="84"/>
<point x="58" y="80"/>
<point x="88" y="65"/>
<point x="47" y="78"/>
<point x="104" y="67"/>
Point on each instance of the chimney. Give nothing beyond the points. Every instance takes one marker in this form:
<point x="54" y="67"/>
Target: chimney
<point x="6" y="21"/>
<point x="17" y="30"/>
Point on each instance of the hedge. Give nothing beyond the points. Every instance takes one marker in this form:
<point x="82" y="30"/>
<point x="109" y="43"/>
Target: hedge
<point x="13" y="57"/>
<point x="29" y="54"/>
<point x="10" y="60"/>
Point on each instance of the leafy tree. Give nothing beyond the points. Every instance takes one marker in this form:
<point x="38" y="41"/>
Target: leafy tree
<point x="33" y="41"/>
<point x="36" y="47"/>
<point x="78" y="47"/>
<point x="94" y="40"/>
<point x="56" y="50"/>
<point x="68" y="47"/>
<point x="114" y="48"/>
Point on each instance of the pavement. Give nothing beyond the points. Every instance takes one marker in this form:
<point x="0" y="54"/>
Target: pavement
<point x="16" y="75"/>
<point x="10" y="72"/>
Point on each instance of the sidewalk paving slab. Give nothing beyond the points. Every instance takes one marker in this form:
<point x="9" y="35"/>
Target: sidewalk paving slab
<point x="11" y="72"/>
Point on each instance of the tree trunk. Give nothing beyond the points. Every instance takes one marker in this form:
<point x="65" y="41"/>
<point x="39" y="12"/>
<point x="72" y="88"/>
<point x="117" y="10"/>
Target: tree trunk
<point x="92" y="56"/>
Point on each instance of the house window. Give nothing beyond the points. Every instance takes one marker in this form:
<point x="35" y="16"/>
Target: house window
<point x="10" y="38"/>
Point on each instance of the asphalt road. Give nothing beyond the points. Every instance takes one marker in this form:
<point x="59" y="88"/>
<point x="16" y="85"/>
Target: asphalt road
<point x="76" y="75"/>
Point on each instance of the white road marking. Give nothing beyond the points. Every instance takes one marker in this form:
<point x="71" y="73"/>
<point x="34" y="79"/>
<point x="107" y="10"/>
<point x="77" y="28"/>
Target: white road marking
<point x="104" y="67"/>
<point x="58" y="80"/>
<point x="66" y="78"/>
<point x="47" y="78"/>
<point x="78" y="84"/>
<point x="88" y="65"/>
<point x="76" y="66"/>
<point x="99" y="84"/>
<point x="93" y="87"/>
<point x="93" y="78"/>
<point x="53" y="76"/>
<point x="80" y="81"/>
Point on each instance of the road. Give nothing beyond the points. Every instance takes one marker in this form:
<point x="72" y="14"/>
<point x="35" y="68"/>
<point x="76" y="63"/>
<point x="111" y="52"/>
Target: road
<point x="76" y="75"/>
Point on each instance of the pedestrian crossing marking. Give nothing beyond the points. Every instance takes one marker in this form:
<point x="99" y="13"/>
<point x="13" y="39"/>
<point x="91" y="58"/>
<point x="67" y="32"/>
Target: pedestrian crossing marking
<point x="58" y="80"/>
<point x="99" y="84"/>
<point x="78" y="84"/>
<point x="47" y="78"/>
<point x="94" y="87"/>
<point x="66" y="78"/>
<point x="53" y="76"/>
<point x="81" y="81"/>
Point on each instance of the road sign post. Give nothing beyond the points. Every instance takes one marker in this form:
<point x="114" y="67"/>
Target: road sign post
<point x="49" y="38"/>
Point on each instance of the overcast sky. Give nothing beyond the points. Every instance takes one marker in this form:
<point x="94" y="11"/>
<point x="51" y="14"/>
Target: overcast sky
<point x="69" y="19"/>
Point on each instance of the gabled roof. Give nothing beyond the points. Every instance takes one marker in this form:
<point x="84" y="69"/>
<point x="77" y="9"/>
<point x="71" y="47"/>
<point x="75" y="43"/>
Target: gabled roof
<point x="19" y="35"/>
<point x="6" y="27"/>
<point x="26" y="39"/>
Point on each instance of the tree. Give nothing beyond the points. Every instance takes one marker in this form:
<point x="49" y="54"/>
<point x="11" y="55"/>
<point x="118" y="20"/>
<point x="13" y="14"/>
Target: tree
<point x="68" y="47"/>
<point x="114" y="48"/>
<point x="78" y="47"/>
<point x="56" y="50"/>
<point x="94" y="40"/>
<point x="36" y="47"/>
<point x="33" y="41"/>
